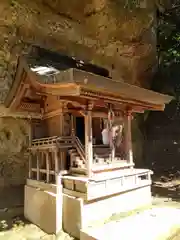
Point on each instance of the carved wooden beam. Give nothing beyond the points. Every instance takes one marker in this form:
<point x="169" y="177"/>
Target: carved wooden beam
<point x="92" y="95"/>
<point x="30" y="107"/>
<point x="75" y="103"/>
<point x="7" y="112"/>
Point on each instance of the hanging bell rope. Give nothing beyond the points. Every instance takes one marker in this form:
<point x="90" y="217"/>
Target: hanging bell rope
<point x="111" y="116"/>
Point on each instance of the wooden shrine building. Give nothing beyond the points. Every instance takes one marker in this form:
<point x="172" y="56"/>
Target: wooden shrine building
<point x="69" y="104"/>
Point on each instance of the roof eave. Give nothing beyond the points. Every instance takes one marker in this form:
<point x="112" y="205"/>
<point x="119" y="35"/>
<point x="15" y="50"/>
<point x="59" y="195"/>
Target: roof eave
<point x="16" y="83"/>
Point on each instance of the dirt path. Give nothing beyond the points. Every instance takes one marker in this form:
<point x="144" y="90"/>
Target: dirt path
<point x="20" y="229"/>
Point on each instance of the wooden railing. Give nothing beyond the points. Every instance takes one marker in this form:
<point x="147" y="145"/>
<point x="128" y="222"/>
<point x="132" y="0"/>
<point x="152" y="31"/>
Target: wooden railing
<point x="80" y="149"/>
<point x="43" y="164"/>
<point x="50" y="142"/>
<point x="60" y="142"/>
<point x="45" y="160"/>
<point x="45" y="155"/>
<point x="44" y="141"/>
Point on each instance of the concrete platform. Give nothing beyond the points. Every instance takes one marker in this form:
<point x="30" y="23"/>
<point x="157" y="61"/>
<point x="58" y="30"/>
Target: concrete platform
<point x="53" y="210"/>
<point x="153" y="224"/>
<point x="43" y="205"/>
<point x="79" y="214"/>
<point x="106" y="184"/>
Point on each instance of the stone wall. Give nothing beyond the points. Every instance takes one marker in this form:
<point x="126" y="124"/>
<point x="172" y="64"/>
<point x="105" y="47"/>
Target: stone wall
<point x="118" y="35"/>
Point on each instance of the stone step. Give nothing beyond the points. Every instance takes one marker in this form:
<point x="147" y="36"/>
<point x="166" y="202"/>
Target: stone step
<point x="74" y="154"/>
<point x="158" y="223"/>
<point x="72" y="150"/>
<point x="78" y="160"/>
<point x="64" y="145"/>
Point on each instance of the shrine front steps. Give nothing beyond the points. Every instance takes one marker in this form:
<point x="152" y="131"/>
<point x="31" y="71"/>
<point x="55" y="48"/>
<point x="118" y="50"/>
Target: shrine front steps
<point x="75" y="158"/>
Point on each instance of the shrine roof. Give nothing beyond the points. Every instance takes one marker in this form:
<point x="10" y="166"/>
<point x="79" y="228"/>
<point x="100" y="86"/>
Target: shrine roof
<point x="54" y="73"/>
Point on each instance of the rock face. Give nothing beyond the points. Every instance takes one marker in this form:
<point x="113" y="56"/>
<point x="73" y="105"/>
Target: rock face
<point x="118" y="35"/>
<point x="13" y="144"/>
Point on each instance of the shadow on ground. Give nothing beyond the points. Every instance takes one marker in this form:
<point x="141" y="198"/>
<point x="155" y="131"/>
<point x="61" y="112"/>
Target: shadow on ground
<point x="19" y="228"/>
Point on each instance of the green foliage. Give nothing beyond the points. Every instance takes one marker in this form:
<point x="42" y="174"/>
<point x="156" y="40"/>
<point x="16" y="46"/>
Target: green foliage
<point x="169" y="41"/>
<point x="169" y="48"/>
<point x="130" y="4"/>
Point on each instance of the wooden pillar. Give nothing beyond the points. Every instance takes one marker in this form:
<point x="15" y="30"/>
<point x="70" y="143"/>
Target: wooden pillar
<point x="128" y="137"/>
<point x="89" y="141"/>
<point x="30" y="166"/>
<point x="59" y="203"/>
<point x="61" y="130"/>
<point x="58" y="192"/>
<point x="58" y="179"/>
<point x="55" y="152"/>
<point x="59" y="195"/>
<point x="113" y="146"/>
<point x="62" y="133"/>
<point x="47" y="167"/>
<point x="72" y="125"/>
<point x="30" y="153"/>
<point x="113" y="152"/>
<point x="37" y="168"/>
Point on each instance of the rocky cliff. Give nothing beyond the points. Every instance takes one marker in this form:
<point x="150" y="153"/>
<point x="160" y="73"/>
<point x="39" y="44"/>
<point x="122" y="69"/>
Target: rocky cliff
<point x="118" y="35"/>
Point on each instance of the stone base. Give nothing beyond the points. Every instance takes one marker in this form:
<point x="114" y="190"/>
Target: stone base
<point x="43" y="206"/>
<point x="106" y="184"/>
<point x="50" y="209"/>
<point x="79" y="214"/>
